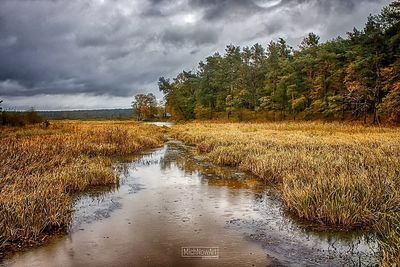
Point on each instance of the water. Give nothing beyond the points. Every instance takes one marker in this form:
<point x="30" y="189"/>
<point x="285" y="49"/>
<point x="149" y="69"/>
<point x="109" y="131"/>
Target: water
<point x="161" y="124"/>
<point x="169" y="199"/>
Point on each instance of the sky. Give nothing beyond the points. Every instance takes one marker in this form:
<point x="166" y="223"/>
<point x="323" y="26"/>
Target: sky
<point x="89" y="54"/>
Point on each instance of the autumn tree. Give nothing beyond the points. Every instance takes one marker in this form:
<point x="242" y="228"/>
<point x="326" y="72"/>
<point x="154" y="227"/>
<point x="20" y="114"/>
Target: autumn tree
<point x="344" y="78"/>
<point x="144" y="106"/>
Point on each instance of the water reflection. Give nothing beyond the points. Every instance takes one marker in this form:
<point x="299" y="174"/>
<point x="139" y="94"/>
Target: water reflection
<point x="169" y="199"/>
<point x="288" y="240"/>
<point x="161" y="123"/>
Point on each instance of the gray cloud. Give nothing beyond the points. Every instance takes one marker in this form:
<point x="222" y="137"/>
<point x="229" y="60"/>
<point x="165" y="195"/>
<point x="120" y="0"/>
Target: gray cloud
<point x="112" y="49"/>
<point x="182" y="35"/>
<point x="223" y="9"/>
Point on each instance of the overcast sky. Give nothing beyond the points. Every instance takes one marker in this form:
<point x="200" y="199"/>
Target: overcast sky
<point x="85" y="54"/>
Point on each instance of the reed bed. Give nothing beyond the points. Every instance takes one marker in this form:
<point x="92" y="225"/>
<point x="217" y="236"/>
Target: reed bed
<point x="338" y="176"/>
<point x="41" y="168"/>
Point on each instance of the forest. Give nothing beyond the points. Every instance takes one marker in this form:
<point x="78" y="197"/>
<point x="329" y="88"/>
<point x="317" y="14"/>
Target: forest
<point x="352" y="78"/>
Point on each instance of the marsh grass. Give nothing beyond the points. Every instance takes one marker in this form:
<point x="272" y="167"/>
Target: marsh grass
<point x="338" y="176"/>
<point x="41" y="168"/>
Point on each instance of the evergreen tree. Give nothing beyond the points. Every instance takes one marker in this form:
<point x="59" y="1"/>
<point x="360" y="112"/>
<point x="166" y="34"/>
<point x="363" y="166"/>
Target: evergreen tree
<point x="345" y="78"/>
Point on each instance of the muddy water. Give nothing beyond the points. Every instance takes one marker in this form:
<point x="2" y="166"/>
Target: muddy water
<point x="169" y="199"/>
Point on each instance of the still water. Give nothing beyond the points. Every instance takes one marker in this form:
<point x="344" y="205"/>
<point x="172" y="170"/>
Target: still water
<point x="169" y="199"/>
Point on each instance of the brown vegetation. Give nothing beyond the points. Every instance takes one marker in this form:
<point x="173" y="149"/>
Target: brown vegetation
<point x="336" y="175"/>
<point x="41" y="167"/>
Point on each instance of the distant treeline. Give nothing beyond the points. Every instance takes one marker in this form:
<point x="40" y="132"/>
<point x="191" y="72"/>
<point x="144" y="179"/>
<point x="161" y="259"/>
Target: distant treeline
<point x="357" y="77"/>
<point x="21" y="118"/>
<point x="117" y="114"/>
<point x="14" y="118"/>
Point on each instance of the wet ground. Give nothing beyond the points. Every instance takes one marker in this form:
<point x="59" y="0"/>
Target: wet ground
<point x="169" y="199"/>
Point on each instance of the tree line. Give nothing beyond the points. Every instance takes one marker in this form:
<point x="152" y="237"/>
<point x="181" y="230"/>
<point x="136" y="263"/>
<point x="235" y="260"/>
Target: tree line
<point x="146" y="108"/>
<point x="14" y="118"/>
<point x="352" y="78"/>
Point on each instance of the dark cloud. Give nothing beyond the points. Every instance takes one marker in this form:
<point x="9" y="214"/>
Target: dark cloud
<point x="220" y="9"/>
<point x="112" y="49"/>
<point x="179" y="36"/>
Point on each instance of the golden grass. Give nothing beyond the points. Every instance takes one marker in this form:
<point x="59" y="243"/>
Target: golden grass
<point x="341" y="176"/>
<point x="40" y="168"/>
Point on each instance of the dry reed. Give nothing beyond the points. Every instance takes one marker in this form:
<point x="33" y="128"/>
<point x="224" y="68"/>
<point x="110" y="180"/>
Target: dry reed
<point x="40" y="168"/>
<point x="339" y="176"/>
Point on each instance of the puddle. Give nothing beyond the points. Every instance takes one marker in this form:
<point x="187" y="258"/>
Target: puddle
<point x="167" y="200"/>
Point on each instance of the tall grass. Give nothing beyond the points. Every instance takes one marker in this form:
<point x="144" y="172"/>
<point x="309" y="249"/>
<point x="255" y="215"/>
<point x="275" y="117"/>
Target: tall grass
<point x="40" y="168"/>
<point x="339" y="176"/>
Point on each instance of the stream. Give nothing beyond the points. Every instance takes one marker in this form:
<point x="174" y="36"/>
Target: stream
<point x="170" y="198"/>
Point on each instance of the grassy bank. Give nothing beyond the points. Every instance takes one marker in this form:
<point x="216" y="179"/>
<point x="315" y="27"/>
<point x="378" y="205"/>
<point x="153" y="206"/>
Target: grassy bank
<point x="336" y="175"/>
<point x="40" y="168"/>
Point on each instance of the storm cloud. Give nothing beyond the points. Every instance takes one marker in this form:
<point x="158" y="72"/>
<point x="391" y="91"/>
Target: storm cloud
<point x="99" y="53"/>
